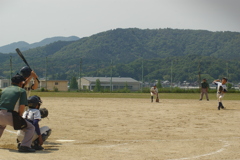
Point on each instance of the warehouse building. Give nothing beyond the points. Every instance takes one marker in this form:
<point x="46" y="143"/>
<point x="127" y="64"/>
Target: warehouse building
<point x="117" y="83"/>
<point x="4" y="83"/>
<point x="60" y="85"/>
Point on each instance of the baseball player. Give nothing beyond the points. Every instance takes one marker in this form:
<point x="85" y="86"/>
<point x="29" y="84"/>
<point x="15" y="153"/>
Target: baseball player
<point x="31" y="82"/>
<point x="33" y="115"/>
<point x="204" y="89"/>
<point x="221" y="90"/>
<point x="154" y="92"/>
<point x="15" y="97"/>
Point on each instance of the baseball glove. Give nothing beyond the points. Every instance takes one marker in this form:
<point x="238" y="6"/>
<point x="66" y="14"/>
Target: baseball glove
<point x="157" y="99"/>
<point x="44" y="112"/>
<point x="220" y="90"/>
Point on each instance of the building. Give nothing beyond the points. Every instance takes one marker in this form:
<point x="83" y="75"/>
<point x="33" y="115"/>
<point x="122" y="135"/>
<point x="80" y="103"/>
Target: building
<point x="117" y="83"/>
<point x="60" y="85"/>
<point x="5" y="83"/>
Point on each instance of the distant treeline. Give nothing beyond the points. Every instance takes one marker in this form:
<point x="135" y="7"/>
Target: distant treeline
<point x="165" y="54"/>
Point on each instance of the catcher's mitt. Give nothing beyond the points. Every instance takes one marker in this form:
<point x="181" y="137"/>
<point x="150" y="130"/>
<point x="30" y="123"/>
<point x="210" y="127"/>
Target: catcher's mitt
<point x="44" y="112"/>
<point x="220" y="89"/>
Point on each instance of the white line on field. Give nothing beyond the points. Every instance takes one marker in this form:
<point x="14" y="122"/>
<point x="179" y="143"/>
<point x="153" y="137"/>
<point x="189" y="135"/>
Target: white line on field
<point x="11" y="131"/>
<point x="63" y="140"/>
<point x="226" y="144"/>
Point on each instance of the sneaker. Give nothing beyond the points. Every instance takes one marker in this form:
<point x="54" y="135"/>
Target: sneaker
<point x="200" y="99"/>
<point x="18" y="145"/>
<point x="25" y="149"/>
<point x="207" y="99"/>
<point x="37" y="147"/>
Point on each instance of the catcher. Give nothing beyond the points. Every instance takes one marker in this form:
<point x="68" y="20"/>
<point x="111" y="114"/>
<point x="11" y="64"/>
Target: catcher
<point x="34" y="114"/>
<point x="221" y="90"/>
<point x="154" y="91"/>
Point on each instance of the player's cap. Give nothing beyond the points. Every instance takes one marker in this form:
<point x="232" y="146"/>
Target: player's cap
<point x="204" y="79"/>
<point x="17" y="78"/>
<point x="225" y="78"/>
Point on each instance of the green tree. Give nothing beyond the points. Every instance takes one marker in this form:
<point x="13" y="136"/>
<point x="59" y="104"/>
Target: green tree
<point x="159" y="84"/>
<point x="229" y="86"/>
<point x="126" y="90"/>
<point x="73" y="83"/>
<point x="97" y="87"/>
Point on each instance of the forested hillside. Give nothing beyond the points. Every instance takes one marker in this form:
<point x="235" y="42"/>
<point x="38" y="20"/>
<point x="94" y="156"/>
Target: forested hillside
<point x="10" y="48"/>
<point x="181" y="54"/>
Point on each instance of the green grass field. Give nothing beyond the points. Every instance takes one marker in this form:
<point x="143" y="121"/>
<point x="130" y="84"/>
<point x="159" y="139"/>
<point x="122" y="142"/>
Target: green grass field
<point x="212" y="96"/>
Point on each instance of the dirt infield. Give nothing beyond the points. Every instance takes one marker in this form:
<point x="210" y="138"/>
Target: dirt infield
<point x="134" y="129"/>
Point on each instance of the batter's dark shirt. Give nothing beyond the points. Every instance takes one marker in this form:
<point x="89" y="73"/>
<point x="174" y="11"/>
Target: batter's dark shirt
<point x="205" y="85"/>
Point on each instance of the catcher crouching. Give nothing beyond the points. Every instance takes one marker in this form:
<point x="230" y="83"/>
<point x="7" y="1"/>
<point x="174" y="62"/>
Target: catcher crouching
<point x="34" y="114"/>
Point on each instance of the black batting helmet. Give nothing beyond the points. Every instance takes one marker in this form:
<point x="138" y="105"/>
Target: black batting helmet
<point x="26" y="71"/>
<point x="34" y="101"/>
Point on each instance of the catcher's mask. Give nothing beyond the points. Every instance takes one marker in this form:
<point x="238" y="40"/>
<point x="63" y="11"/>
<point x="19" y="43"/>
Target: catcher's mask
<point x="34" y="101"/>
<point x="25" y="72"/>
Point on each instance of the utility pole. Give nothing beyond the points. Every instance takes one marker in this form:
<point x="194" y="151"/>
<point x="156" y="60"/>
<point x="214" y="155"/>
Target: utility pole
<point x="142" y="76"/>
<point x="111" y="79"/>
<point x="227" y="69"/>
<point x="199" y="74"/>
<point x="171" y="72"/>
<point x="80" y="73"/>
<point x="10" y="69"/>
<point x="46" y="73"/>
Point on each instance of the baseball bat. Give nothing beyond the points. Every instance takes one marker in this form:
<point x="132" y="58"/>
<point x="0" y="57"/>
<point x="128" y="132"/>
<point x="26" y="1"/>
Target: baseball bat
<point x="23" y="58"/>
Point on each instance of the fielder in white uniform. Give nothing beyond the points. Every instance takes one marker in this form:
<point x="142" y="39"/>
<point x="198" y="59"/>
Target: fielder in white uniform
<point x="154" y="92"/>
<point x="220" y="94"/>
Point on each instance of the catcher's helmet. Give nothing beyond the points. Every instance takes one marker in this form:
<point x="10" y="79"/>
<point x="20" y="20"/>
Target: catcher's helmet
<point x="34" y="101"/>
<point x="25" y="71"/>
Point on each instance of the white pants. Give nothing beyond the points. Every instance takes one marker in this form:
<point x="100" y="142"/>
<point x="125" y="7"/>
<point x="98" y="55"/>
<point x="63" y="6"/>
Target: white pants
<point x="154" y="94"/>
<point x="220" y="96"/>
<point x="20" y="133"/>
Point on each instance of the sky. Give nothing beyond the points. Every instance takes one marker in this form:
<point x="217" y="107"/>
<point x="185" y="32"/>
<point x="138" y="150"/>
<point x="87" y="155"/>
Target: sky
<point x="34" y="20"/>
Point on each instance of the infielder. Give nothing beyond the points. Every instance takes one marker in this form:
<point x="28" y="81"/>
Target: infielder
<point x="154" y="92"/>
<point x="204" y="89"/>
<point x="221" y="90"/>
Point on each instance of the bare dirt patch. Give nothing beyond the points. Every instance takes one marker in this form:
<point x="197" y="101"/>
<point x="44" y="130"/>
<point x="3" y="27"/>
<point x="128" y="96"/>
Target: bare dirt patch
<point x="134" y="129"/>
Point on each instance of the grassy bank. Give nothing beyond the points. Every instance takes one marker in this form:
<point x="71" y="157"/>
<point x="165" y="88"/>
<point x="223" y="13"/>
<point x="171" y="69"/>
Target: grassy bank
<point x="212" y="96"/>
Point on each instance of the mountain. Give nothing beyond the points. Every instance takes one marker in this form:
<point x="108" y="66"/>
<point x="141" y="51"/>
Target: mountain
<point x="23" y="46"/>
<point x="187" y="52"/>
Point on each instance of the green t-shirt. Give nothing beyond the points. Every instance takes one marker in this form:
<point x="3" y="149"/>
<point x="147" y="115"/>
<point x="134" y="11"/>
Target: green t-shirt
<point x="205" y="85"/>
<point x="10" y="96"/>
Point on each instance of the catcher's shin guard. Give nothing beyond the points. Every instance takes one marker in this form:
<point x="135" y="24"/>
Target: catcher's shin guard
<point x="151" y="98"/>
<point x="46" y="135"/>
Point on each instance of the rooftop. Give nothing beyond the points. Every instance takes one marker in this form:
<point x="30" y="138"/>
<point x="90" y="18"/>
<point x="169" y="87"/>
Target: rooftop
<point x="108" y="79"/>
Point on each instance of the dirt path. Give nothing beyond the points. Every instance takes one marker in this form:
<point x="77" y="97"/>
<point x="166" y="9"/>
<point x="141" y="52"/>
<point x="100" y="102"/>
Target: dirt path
<point x="134" y="129"/>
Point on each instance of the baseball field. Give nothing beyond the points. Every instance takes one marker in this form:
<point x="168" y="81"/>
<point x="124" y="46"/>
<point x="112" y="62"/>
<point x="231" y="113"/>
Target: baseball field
<point x="115" y="128"/>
